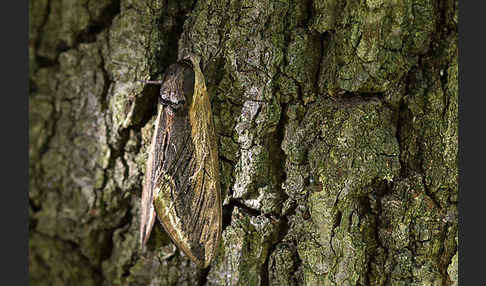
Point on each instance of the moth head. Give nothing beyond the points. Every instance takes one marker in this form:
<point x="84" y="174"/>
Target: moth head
<point x="193" y="59"/>
<point x="177" y="88"/>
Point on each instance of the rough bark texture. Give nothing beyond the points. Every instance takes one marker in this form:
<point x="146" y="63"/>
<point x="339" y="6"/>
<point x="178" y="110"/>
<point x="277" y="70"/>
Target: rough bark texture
<point x="337" y="130"/>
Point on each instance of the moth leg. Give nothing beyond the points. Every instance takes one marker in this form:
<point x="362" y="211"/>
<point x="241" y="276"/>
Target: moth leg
<point x="171" y="252"/>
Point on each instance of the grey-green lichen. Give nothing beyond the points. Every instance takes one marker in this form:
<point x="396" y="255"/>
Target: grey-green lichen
<point x="244" y="249"/>
<point x="453" y="271"/>
<point x="374" y="43"/>
<point x="353" y="147"/>
<point x="412" y="230"/>
<point x="337" y="131"/>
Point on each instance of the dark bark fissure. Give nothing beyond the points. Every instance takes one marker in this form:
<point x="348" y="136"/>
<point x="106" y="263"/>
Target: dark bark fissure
<point x="40" y="60"/>
<point x="279" y="159"/>
<point x="52" y="132"/>
<point x="96" y="26"/>
<point x="235" y="203"/>
<point x="282" y="230"/>
<point x="174" y="33"/>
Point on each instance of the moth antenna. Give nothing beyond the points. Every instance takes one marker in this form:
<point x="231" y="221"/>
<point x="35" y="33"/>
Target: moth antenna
<point x="159" y="82"/>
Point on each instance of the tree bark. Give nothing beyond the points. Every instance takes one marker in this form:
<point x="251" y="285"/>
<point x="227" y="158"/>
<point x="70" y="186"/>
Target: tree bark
<point x="337" y="126"/>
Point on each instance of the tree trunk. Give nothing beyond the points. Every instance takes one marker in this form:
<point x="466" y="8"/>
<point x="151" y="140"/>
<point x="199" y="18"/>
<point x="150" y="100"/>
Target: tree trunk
<point x="337" y="130"/>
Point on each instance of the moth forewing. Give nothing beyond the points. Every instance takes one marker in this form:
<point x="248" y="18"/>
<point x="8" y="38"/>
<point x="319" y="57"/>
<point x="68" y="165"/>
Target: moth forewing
<point x="182" y="179"/>
<point x="147" y="211"/>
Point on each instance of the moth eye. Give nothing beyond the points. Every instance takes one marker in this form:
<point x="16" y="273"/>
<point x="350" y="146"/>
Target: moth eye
<point x="163" y="93"/>
<point x="188" y="85"/>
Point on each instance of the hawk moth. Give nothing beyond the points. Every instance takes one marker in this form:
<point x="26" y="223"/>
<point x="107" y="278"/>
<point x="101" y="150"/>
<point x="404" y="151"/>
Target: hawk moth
<point x="182" y="187"/>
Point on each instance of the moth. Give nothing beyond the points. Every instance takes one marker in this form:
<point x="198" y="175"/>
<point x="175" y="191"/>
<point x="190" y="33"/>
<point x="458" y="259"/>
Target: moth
<point x="182" y="187"/>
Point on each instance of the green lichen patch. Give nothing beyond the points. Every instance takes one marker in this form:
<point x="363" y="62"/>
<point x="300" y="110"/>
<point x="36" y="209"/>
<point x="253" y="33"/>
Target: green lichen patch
<point x="68" y="156"/>
<point x="337" y="152"/>
<point x="429" y="129"/>
<point x="412" y="229"/>
<point x="348" y="145"/>
<point x="57" y="26"/>
<point x="453" y="270"/>
<point x="336" y="242"/>
<point x="303" y="56"/>
<point x="283" y="266"/>
<point x="359" y="147"/>
<point x="374" y="43"/>
<point x="244" y="249"/>
<point x="67" y="265"/>
<point x="325" y="15"/>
